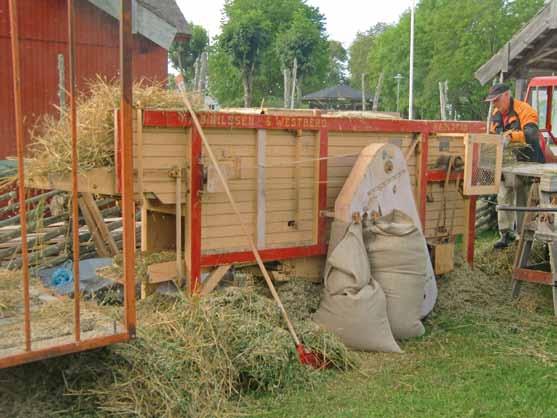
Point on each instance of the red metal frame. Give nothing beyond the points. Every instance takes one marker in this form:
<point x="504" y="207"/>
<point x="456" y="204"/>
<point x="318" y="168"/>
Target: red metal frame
<point x="72" y="90"/>
<point x="175" y="119"/>
<point x="196" y="186"/>
<point x="471" y="232"/>
<point x="322" y="201"/>
<point x="551" y="84"/>
<point x="322" y="126"/>
<point x="125" y="129"/>
<point x="16" y="73"/>
<point x="532" y="276"/>
<point x="422" y="181"/>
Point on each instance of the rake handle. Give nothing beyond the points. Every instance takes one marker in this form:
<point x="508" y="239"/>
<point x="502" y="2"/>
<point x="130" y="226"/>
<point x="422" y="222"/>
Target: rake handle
<point x="245" y="231"/>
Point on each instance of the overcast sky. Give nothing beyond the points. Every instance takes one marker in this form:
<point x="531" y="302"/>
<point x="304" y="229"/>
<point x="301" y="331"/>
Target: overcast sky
<point x="344" y="17"/>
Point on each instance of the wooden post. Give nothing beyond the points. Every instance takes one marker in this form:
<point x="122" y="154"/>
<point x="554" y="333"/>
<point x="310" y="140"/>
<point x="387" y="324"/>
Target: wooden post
<point x="61" y="83"/>
<point x="470" y="229"/>
<point x="214" y="279"/>
<point x="98" y="223"/>
<point x="261" y="195"/>
<point x="179" y="263"/>
<point x="128" y="215"/>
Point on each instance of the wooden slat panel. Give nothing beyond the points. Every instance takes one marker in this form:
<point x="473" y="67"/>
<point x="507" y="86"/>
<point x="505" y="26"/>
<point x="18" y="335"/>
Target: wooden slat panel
<point x="248" y="218"/>
<point x="155" y="136"/>
<point x="246" y="196"/>
<point x="271" y="229"/>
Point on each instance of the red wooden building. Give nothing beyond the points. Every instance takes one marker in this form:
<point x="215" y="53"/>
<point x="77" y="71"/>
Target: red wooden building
<point x="43" y="34"/>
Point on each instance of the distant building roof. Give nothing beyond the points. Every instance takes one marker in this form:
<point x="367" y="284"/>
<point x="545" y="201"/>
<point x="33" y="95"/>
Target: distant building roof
<point x="335" y="93"/>
<point x="157" y="20"/>
<point x="530" y="52"/>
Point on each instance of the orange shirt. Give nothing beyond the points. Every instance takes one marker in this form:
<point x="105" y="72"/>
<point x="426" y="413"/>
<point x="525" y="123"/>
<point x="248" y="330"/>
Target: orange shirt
<point x="519" y="115"/>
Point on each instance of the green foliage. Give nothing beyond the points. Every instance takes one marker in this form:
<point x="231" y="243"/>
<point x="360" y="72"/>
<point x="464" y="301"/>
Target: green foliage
<point x="255" y="54"/>
<point x="452" y="41"/>
<point x="182" y="54"/>
<point x="338" y="58"/>
<point x="360" y="51"/>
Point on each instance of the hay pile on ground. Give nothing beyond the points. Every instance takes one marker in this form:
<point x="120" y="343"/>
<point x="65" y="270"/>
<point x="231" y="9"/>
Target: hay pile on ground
<point x="193" y="357"/>
<point x="51" y="317"/>
<point x="50" y="149"/>
<point x="201" y="358"/>
<point x="301" y="296"/>
<point x="11" y="294"/>
<point x="142" y="262"/>
<point x="485" y="291"/>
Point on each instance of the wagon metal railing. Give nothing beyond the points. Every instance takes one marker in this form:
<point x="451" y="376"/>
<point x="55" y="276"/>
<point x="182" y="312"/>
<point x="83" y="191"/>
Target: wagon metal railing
<point x="77" y="342"/>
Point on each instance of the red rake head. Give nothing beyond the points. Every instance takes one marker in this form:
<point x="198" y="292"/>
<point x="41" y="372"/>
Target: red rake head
<point x="317" y="361"/>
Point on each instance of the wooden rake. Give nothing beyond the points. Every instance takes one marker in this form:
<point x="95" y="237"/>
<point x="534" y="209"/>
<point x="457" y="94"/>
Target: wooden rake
<point x="305" y="356"/>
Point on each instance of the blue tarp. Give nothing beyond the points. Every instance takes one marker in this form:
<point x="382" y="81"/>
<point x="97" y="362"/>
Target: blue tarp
<point x="60" y="278"/>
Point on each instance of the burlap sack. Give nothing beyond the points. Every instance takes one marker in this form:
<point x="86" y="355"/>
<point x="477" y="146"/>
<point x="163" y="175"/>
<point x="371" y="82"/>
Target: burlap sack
<point x="358" y="318"/>
<point x="352" y="305"/>
<point x="398" y="261"/>
<point x="347" y="266"/>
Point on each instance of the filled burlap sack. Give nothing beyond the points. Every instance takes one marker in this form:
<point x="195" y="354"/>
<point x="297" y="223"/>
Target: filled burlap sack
<point x="347" y="265"/>
<point x="358" y="318"/>
<point x="353" y="306"/>
<point x="398" y="261"/>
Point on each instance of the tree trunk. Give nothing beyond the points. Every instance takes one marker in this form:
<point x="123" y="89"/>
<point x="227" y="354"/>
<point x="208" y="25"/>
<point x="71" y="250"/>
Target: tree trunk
<point x="377" y="96"/>
<point x="294" y="83"/>
<point x="248" y="87"/>
<point x="287" y="84"/>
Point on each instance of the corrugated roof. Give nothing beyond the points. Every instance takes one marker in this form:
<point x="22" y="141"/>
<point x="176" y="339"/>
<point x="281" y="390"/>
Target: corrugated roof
<point x="527" y="50"/>
<point x="169" y="11"/>
<point x="157" y="20"/>
<point x="334" y="93"/>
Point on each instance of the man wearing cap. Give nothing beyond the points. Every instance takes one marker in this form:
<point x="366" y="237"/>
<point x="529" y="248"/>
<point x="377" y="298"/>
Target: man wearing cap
<point x="517" y="121"/>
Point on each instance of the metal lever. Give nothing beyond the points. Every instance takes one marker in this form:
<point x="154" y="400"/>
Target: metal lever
<point x="505" y="208"/>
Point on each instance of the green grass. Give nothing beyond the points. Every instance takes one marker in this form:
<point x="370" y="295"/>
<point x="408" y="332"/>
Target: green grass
<point x="484" y="355"/>
<point x="461" y="369"/>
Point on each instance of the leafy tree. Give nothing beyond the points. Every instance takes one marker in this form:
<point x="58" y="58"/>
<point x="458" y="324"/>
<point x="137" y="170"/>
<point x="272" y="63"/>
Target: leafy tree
<point x="360" y="49"/>
<point x="245" y="55"/>
<point x="451" y="44"/>
<point x="337" y="67"/>
<point x="244" y="38"/>
<point x="183" y="54"/>
<point x="296" y="48"/>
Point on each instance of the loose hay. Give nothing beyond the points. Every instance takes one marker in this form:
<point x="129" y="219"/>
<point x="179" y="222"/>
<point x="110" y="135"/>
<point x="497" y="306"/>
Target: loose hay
<point x="51" y="317"/>
<point x="192" y="358"/>
<point x="142" y="262"/>
<point x="485" y="290"/>
<point x="50" y="149"/>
